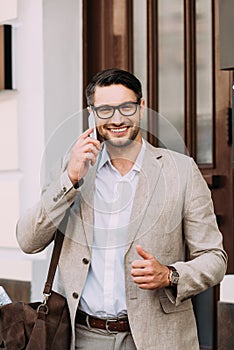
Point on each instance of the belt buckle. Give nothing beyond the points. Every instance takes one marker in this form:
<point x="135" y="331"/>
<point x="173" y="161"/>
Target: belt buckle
<point x="87" y="321"/>
<point x="108" y="321"/>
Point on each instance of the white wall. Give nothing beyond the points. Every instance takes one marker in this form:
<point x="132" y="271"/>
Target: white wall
<point x="29" y="81"/>
<point x="47" y="59"/>
<point x="62" y="48"/>
<point x="63" y="74"/>
<point x="8" y="10"/>
<point x="23" y="126"/>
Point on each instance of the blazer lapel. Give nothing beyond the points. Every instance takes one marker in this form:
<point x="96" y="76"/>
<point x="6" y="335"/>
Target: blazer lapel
<point x="149" y="176"/>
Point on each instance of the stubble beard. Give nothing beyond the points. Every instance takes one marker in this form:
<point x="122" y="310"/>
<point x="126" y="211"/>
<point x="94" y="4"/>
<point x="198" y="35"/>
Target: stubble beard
<point x="121" y="142"/>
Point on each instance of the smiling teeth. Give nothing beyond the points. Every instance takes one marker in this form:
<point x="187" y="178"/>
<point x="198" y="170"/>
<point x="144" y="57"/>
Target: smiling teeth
<point x="118" y="130"/>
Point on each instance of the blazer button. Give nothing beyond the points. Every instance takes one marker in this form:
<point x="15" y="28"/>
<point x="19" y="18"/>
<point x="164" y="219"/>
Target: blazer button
<point x="85" y="261"/>
<point x="75" y="295"/>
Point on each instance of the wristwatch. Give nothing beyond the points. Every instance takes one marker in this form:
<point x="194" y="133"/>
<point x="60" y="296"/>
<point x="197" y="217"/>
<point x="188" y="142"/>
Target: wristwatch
<point x="173" y="276"/>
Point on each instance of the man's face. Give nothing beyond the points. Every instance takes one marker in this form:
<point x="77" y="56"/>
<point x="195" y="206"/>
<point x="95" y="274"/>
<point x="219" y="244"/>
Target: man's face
<point x="118" y="130"/>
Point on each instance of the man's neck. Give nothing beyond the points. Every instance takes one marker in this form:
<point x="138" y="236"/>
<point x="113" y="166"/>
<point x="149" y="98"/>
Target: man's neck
<point x="123" y="158"/>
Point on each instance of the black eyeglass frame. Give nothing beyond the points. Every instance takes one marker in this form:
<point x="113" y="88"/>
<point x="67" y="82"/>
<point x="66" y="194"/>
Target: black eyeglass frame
<point x="95" y="109"/>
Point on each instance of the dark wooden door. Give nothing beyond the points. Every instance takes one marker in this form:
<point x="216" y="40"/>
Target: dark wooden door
<point x="206" y="120"/>
<point x="185" y="85"/>
<point x="107" y="37"/>
<point x="202" y="117"/>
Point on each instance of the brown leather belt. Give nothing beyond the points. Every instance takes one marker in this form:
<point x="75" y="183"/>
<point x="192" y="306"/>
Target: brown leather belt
<point x="112" y="325"/>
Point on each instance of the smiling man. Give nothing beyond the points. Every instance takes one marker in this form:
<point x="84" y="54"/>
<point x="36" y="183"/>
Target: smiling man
<point x="134" y="207"/>
<point x="111" y="125"/>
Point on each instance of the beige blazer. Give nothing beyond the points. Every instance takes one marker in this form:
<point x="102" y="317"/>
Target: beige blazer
<point x="172" y="207"/>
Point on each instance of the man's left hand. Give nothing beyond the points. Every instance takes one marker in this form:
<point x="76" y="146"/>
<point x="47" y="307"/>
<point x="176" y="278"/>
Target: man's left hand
<point x="148" y="272"/>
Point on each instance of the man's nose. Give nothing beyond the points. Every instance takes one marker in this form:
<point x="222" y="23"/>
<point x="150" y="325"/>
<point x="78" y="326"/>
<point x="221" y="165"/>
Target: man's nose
<point x="117" y="117"/>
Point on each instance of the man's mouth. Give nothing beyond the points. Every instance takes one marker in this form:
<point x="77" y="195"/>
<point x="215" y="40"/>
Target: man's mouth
<point x="119" y="130"/>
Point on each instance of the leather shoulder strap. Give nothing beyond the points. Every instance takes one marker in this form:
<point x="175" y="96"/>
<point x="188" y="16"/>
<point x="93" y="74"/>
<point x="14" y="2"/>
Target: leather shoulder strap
<point x="58" y="242"/>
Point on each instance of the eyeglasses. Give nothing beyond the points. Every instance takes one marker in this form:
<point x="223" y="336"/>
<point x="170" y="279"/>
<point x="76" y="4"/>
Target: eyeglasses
<point x="127" y="109"/>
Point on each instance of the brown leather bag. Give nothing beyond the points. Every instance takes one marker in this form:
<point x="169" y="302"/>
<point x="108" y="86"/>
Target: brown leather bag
<point x="40" y="325"/>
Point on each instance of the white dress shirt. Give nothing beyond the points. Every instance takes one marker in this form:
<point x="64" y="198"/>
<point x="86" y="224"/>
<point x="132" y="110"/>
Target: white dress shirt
<point x="104" y="291"/>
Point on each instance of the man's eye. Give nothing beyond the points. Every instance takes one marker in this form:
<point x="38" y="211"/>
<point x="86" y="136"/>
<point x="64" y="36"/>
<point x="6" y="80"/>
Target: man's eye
<point x="105" y="110"/>
<point x="127" y="107"/>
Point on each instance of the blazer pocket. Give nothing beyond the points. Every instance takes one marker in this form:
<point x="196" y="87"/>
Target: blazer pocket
<point x="168" y="307"/>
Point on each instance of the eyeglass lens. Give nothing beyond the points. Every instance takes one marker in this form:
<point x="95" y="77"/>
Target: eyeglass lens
<point x="126" y="109"/>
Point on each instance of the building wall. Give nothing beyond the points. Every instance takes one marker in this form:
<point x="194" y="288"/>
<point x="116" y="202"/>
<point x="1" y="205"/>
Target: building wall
<point x="47" y="81"/>
<point x="62" y="58"/>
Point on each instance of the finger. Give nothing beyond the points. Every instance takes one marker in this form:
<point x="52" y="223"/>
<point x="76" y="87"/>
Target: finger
<point x="93" y="161"/>
<point x="97" y="144"/>
<point x="139" y="264"/>
<point x="94" y="142"/>
<point x="145" y="283"/>
<point x="94" y="150"/>
<point x="147" y="286"/>
<point x="87" y="132"/>
<point x="143" y="253"/>
<point x="143" y="279"/>
<point x="87" y="144"/>
<point x="89" y="147"/>
<point x="90" y="157"/>
<point x="137" y="272"/>
<point x="86" y="135"/>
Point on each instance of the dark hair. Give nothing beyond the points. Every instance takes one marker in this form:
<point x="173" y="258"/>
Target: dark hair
<point x="113" y="76"/>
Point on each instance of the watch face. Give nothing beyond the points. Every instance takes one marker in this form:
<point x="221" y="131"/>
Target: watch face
<point x="174" y="277"/>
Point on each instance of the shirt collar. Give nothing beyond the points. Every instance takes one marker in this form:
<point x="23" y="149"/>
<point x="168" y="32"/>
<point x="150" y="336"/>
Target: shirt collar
<point x="104" y="158"/>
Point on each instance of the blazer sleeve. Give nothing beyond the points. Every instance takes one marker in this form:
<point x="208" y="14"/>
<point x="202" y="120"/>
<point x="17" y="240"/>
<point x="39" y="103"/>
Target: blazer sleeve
<point x="207" y="259"/>
<point x="36" y="228"/>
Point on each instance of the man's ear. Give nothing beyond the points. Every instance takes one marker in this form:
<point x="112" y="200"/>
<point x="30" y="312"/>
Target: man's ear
<point x="142" y="105"/>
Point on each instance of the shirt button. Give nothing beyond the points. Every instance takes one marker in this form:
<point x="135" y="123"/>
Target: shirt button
<point x="75" y="295"/>
<point x="85" y="261"/>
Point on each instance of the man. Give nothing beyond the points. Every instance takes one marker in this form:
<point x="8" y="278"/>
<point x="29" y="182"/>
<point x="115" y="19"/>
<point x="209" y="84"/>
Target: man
<point x="133" y="209"/>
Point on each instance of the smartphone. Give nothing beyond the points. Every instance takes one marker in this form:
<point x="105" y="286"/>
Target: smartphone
<point x="92" y="124"/>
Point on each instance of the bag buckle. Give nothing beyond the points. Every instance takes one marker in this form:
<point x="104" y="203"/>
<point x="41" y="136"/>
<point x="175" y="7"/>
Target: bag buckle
<point x="44" y="307"/>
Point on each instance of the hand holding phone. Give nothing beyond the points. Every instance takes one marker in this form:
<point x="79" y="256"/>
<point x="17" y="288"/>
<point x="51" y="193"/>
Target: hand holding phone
<point x="84" y="153"/>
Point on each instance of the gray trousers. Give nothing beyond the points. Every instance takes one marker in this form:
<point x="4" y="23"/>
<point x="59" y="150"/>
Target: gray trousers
<point x="98" y="339"/>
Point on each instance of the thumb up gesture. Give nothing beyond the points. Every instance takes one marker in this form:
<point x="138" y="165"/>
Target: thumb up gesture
<point x="148" y="272"/>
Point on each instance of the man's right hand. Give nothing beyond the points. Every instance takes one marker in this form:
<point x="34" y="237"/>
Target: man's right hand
<point x="83" y="153"/>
